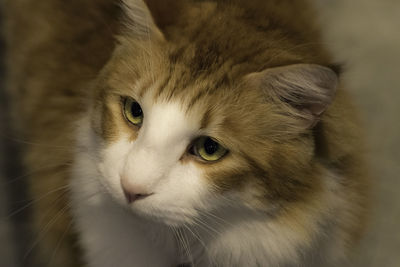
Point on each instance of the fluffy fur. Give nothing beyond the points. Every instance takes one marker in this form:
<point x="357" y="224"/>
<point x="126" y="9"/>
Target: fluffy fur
<point x="292" y="190"/>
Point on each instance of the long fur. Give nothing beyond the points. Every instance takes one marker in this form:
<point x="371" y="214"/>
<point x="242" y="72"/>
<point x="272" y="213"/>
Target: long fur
<point x="253" y="75"/>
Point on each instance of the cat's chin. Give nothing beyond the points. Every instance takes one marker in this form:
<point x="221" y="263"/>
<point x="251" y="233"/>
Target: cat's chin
<point x="172" y="222"/>
<point x="163" y="216"/>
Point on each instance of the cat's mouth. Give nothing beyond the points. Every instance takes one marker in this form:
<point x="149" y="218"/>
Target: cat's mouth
<point x="134" y="197"/>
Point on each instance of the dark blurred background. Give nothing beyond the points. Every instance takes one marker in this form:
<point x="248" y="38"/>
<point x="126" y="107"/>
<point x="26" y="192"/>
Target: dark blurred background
<point x="365" y="34"/>
<point x="14" y="234"/>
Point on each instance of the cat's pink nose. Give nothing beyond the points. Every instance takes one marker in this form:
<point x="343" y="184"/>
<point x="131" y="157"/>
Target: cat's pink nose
<point x="133" y="193"/>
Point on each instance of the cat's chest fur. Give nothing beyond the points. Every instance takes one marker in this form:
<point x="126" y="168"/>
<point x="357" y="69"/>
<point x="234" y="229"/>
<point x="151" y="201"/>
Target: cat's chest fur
<point x="112" y="236"/>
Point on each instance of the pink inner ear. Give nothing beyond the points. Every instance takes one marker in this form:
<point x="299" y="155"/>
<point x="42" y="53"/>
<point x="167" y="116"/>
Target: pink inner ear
<point x="304" y="86"/>
<point x="303" y="90"/>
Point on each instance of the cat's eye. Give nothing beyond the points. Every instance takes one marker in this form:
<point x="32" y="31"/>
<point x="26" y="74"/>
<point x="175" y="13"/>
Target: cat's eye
<point x="208" y="149"/>
<point x="133" y="111"/>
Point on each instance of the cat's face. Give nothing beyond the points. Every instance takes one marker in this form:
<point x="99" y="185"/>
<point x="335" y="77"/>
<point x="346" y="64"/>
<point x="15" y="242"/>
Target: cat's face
<point x="182" y="143"/>
<point x="177" y="132"/>
<point x="174" y="146"/>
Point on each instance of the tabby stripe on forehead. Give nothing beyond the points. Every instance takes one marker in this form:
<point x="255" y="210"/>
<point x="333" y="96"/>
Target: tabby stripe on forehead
<point x="200" y="94"/>
<point x="250" y="55"/>
<point x="164" y="83"/>
<point x="206" y="119"/>
<point x="223" y="80"/>
<point x="182" y="84"/>
<point x="207" y="91"/>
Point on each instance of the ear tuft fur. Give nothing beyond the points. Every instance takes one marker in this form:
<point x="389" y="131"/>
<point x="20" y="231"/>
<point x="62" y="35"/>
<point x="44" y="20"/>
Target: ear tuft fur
<point x="139" y="19"/>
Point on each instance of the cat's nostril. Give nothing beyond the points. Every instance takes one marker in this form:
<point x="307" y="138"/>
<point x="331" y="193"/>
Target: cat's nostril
<point x="131" y="197"/>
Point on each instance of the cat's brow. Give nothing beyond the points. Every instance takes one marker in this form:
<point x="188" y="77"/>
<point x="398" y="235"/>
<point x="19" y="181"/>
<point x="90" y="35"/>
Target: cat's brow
<point x="199" y="95"/>
<point x="147" y="83"/>
<point x="164" y="84"/>
<point x="206" y="119"/>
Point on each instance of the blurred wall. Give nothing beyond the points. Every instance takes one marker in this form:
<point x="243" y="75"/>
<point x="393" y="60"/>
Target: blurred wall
<point x="365" y="35"/>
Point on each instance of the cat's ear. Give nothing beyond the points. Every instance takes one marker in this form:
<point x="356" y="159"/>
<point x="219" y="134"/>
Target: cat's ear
<point x="140" y="21"/>
<point x="303" y="90"/>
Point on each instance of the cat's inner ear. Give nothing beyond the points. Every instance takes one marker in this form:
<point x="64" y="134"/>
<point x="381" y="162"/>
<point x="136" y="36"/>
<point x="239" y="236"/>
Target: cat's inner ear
<point x="305" y="89"/>
<point x="140" y="21"/>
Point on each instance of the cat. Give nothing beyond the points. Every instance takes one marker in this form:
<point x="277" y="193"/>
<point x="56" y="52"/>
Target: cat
<point x="196" y="133"/>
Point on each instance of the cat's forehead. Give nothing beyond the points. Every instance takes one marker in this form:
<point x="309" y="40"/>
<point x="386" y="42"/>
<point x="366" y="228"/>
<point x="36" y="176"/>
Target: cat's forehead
<point x="176" y="70"/>
<point x="190" y="111"/>
<point x="156" y="79"/>
<point x="169" y="118"/>
<point x="218" y="104"/>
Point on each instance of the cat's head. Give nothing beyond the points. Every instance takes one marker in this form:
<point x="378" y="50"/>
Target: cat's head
<point x="182" y="127"/>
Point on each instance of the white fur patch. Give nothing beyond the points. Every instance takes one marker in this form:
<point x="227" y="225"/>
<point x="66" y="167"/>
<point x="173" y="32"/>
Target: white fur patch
<point x="152" y="164"/>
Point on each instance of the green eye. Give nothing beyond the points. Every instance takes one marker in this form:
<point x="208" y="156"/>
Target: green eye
<point x="133" y="111"/>
<point x="208" y="149"/>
